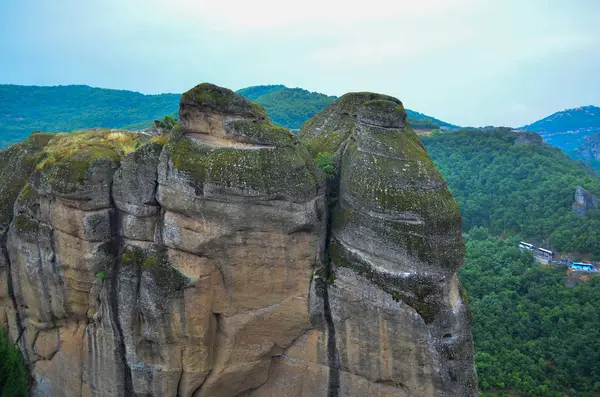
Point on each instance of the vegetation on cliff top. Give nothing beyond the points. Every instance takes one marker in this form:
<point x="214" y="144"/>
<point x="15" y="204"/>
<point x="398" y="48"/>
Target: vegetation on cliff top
<point x="16" y="165"/>
<point x="223" y="100"/>
<point x="279" y="171"/>
<point x="586" y="117"/>
<point x="66" y="159"/>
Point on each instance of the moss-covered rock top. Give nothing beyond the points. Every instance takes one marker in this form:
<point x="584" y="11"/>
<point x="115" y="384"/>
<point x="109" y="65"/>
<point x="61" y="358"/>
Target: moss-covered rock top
<point x="383" y="113"/>
<point x="278" y="172"/>
<point x="62" y="161"/>
<point x="260" y="133"/>
<point x="66" y="159"/>
<point x="17" y="163"/>
<point x="326" y="131"/>
<point x="221" y="100"/>
<point x="353" y="101"/>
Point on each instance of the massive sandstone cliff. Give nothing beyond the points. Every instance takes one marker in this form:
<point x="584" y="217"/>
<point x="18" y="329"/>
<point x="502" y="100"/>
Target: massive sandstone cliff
<point x="218" y="260"/>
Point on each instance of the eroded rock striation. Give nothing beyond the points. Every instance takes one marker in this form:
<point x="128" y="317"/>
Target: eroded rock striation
<point x="219" y="260"/>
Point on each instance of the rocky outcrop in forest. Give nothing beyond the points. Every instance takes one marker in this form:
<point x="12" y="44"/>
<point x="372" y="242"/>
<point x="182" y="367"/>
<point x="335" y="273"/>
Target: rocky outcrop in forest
<point x="584" y="201"/>
<point x="590" y="149"/>
<point x="220" y="260"/>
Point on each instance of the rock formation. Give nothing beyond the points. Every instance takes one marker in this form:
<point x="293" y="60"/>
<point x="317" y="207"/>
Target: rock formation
<point x="219" y="261"/>
<point x="584" y="201"/>
<point x="590" y="149"/>
<point x="528" y="138"/>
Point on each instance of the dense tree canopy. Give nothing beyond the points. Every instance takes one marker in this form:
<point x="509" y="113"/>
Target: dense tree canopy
<point x="25" y="109"/>
<point x="288" y="107"/>
<point x="511" y="188"/>
<point x="533" y="336"/>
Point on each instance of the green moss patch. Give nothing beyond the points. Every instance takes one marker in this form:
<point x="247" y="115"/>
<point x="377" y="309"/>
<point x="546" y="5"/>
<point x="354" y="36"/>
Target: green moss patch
<point x="221" y="99"/>
<point x="17" y="163"/>
<point x="280" y="171"/>
<point x="67" y="157"/>
<point x="26" y="227"/>
<point x="328" y="143"/>
<point x="155" y="262"/>
<point x="395" y="185"/>
<point x="260" y="132"/>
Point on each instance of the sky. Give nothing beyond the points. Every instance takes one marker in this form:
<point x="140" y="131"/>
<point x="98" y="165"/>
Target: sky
<point x="468" y="62"/>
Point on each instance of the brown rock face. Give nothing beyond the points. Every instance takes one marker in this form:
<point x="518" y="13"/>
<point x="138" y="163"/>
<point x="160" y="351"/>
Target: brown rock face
<point x="223" y="263"/>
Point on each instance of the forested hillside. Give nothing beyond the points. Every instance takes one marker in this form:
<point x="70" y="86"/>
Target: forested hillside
<point x="533" y="336"/>
<point x="512" y="188"/>
<point x="24" y="109"/>
<point x="581" y="118"/>
<point x="418" y="120"/>
<point x="569" y="130"/>
<point x="288" y="107"/>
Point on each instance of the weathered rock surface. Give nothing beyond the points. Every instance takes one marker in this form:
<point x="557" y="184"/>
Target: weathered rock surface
<point x="590" y="149"/>
<point x="218" y="261"/>
<point x="584" y="201"/>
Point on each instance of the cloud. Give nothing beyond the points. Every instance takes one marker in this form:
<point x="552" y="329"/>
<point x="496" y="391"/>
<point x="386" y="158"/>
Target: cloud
<point x="259" y="16"/>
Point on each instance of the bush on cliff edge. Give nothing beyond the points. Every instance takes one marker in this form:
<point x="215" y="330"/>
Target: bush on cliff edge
<point x="13" y="372"/>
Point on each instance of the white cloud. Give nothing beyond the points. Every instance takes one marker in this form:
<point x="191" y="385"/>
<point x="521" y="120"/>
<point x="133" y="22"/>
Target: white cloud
<point x="262" y="15"/>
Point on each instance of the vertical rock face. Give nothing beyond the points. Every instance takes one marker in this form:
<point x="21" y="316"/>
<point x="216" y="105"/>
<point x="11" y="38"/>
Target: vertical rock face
<point x="590" y="149"/>
<point x="584" y="201"/>
<point x="394" y="322"/>
<point x="218" y="261"/>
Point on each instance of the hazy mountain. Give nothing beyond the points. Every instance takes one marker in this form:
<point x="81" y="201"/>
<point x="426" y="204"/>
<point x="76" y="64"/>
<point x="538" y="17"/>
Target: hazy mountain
<point x="586" y="118"/>
<point x="569" y="130"/>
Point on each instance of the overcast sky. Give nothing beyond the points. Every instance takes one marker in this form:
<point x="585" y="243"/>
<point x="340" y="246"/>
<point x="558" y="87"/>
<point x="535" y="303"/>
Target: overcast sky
<point x="469" y="62"/>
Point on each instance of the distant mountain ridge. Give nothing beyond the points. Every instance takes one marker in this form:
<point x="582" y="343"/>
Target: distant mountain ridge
<point x="570" y="130"/>
<point x="585" y="118"/>
<point x="291" y="107"/>
<point x="288" y="107"/>
<point x="25" y="109"/>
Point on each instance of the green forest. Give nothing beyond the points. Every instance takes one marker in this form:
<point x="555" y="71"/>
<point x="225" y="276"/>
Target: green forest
<point x="25" y="109"/>
<point x="287" y="107"/>
<point x="513" y="188"/>
<point x="533" y="335"/>
<point x="582" y="118"/>
<point x="68" y="108"/>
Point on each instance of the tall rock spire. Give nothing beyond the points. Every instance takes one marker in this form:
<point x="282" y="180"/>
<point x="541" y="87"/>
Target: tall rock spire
<point x="218" y="260"/>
